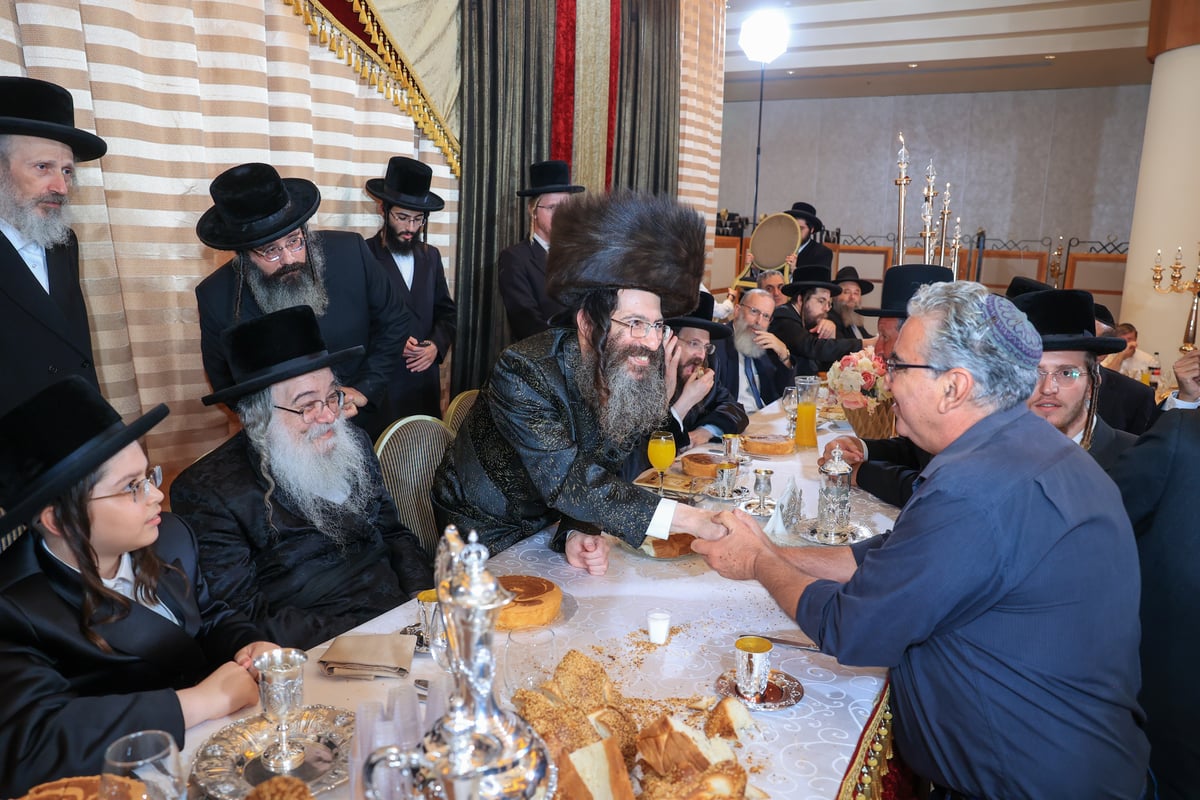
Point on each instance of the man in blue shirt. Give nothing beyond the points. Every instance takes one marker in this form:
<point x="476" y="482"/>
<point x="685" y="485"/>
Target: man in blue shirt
<point x="1005" y="599"/>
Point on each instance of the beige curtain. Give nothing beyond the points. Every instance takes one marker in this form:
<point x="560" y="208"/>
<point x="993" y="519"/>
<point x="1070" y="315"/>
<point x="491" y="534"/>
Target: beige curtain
<point x="181" y="90"/>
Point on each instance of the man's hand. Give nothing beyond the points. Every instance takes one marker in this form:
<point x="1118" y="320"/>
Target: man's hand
<point x="699" y="436"/>
<point x="769" y="341"/>
<point x="419" y="356"/>
<point x="825" y="329"/>
<point x="853" y="453"/>
<point x="695" y="389"/>
<point x="749" y="259"/>
<point x="587" y="551"/>
<point x="736" y="554"/>
<point x="672" y="353"/>
<point x="353" y="402"/>
<point x="791" y="262"/>
<point x="1187" y="375"/>
<point x="697" y="522"/>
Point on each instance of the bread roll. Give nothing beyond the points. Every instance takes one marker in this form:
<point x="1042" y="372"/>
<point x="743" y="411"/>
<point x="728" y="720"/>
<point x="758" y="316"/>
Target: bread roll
<point x="668" y="744"/>
<point x="595" y="772"/>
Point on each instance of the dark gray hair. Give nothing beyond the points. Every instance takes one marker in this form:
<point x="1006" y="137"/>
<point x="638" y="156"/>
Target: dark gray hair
<point x="255" y="411"/>
<point x="966" y="333"/>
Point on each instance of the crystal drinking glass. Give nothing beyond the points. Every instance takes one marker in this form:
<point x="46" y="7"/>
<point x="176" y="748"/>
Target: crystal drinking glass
<point x="143" y="766"/>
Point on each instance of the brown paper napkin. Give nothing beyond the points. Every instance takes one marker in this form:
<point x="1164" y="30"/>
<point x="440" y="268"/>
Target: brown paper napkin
<point x="367" y="656"/>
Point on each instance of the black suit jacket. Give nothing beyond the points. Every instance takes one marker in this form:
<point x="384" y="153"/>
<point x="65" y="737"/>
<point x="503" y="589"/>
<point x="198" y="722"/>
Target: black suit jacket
<point x="363" y="310"/>
<point x="432" y="316"/>
<point x="1124" y="403"/>
<point x="814" y="253"/>
<point x="523" y="289"/>
<point x="65" y="700"/>
<point x="810" y="354"/>
<point x="43" y="337"/>
<point x="1157" y="479"/>
<point x="773" y="375"/>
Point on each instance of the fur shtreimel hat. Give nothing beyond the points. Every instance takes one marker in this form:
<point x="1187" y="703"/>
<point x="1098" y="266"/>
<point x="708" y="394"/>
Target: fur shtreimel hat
<point x="1066" y="320"/>
<point x="273" y="348"/>
<point x="54" y="440"/>
<point x="46" y="110"/>
<point x="626" y="241"/>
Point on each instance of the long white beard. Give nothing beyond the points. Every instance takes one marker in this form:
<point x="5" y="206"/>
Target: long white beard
<point x="48" y="229"/>
<point x="323" y="482"/>
<point x="743" y="340"/>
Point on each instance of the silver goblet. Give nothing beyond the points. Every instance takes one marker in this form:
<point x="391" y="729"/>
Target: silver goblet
<point x="281" y="690"/>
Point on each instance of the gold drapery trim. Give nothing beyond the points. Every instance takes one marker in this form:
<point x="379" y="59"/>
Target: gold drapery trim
<point x="384" y="68"/>
<point x="871" y="756"/>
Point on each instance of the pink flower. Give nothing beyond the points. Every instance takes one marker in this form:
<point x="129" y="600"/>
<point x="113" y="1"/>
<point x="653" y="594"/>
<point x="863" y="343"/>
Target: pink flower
<point x="847" y="361"/>
<point x="868" y="381"/>
<point x="852" y="400"/>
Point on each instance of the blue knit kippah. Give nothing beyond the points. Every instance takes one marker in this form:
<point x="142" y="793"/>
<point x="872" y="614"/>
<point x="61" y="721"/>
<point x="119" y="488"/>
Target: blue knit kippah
<point x="1011" y="332"/>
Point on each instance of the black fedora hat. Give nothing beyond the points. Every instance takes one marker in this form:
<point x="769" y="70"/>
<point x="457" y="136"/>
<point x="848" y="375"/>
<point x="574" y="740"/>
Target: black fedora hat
<point x="55" y="439"/>
<point x="1103" y="314"/>
<point x="273" y="348"/>
<point x="39" y="108"/>
<point x="1066" y="320"/>
<point x="851" y="274"/>
<point x="549" y="177"/>
<point x="406" y="184"/>
<point x="806" y="212"/>
<point x="900" y="283"/>
<point x="702" y="318"/>
<point x="252" y="205"/>
<point x="1021" y="285"/>
<point x="812" y="276"/>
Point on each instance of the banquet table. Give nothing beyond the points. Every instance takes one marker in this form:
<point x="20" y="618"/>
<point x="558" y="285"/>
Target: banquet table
<point x="800" y="752"/>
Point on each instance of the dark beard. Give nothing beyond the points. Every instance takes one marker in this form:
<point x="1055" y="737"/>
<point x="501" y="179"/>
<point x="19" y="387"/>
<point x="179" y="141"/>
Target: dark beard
<point x="636" y="404"/>
<point x="395" y="244"/>
<point x="294" y="285"/>
<point x="808" y="322"/>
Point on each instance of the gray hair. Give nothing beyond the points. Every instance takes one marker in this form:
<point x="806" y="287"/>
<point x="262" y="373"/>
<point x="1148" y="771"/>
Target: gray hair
<point x="757" y="293"/>
<point x="255" y="411"/>
<point x="967" y="333"/>
<point x="5" y="146"/>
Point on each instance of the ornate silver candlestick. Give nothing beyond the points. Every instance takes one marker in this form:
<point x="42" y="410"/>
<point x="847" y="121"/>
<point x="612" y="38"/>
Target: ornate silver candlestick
<point x="1180" y="286"/>
<point x="902" y="187"/>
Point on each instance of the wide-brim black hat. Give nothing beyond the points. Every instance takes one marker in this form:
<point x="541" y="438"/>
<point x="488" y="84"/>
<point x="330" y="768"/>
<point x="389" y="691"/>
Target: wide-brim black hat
<point x="273" y="348"/>
<point x="1021" y="285"/>
<point x="55" y="439"/>
<point x="846" y="274"/>
<point x="252" y="205"/>
<point x="406" y="184"/>
<point x="39" y="108"/>
<point x="702" y="319"/>
<point x="549" y="177"/>
<point x="626" y="240"/>
<point x="811" y="276"/>
<point x="1065" y="320"/>
<point x="806" y="212"/>
<point x="900" y="283"/>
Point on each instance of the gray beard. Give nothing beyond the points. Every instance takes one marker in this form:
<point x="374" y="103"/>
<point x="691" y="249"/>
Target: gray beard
<point x="849" y="316"/>
<point x="635" y="406"/>
<point x="321" y="486"/>
<point x="47" y="230"/>
<point x="305" y="289"/>
<point x="743" y="341"/>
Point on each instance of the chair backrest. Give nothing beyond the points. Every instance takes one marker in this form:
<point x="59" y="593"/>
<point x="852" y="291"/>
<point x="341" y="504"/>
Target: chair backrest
<point x="10" y="537"/>
<point x="456" y="412"/>
<point x="409" y="452"/>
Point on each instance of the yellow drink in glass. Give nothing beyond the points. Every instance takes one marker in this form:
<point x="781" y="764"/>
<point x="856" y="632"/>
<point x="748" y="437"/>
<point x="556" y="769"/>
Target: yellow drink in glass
<point x="661" y="452"/>
<point x="806" y="425"/>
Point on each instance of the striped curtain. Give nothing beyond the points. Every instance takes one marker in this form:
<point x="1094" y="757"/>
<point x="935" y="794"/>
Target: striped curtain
<point x="181" y="90"/>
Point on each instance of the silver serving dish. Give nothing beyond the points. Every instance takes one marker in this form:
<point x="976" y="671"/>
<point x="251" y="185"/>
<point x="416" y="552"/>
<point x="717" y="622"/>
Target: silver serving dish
<point x="783" y="691"/>
<point x="229" y="765"/>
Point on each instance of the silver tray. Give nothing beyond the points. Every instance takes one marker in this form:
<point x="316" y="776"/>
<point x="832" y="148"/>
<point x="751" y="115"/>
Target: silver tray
<point x="228" y="766"/>
<point x="739" y="494"/>
<point x="855" y="532"/>
<point x="783" y="691"/>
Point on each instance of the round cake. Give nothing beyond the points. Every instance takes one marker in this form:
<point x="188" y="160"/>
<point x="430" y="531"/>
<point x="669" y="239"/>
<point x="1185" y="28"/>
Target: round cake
<point x="768" y="444"/>
<point x="86" y="787"/>
<point x="536" y="602"/>
<point x="701" y="465"/>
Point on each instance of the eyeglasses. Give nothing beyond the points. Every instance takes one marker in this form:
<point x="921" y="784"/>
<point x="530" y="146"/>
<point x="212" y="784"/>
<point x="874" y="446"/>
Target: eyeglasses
<point x="754" y="313"/>
<point x="138" y="489"/>
<point x="310" y="411"/>
<point x="893" y="366"/>
<point x="1060" y="377"/>
<point x="696" y="344"/>
<point x="293" y="244"/>
<point x="407" y="219"/>
<point x="549" y="208"/>
<point x="639" y="328"/>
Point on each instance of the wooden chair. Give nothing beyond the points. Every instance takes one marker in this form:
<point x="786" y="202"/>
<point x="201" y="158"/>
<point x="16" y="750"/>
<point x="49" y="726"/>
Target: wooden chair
<point x="456" y="412"/>
<point x="409" y="452"/>
<point x="10" y="537"/>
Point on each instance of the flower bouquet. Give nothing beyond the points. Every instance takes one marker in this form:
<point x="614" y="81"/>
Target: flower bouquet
<point x="857" y="380"/>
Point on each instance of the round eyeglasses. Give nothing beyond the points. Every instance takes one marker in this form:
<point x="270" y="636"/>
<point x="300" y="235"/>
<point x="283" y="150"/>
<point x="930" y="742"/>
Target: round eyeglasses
<point x="696" y="344"/>
<point x="293" y="244"/>
<point x="138" y="489"/>
<point x="640" y="329"/>
<point x="407" y="220"/>
<point x="310" y="411"/>
<point x="1060" y="377"/>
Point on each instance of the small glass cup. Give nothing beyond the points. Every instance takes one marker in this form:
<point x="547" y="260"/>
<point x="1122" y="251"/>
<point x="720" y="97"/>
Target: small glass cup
<point x="726" y="483"/>
<point x="427" y="606"/>
<point x="530" y="657"/>
<point x="731" y="442"/>
<point x="658" y="625"/>
<point x="143" y="766"/>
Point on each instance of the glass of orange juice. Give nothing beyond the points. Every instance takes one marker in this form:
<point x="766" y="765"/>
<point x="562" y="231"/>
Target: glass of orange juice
<point x="661" y="452"/>
<point x="807" y="387"/>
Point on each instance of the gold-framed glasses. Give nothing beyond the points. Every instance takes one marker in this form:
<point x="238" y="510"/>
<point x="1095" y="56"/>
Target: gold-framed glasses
<point x="293" y="244"/>
<point x="138" y="488"/>
<point x="310" y="411"/>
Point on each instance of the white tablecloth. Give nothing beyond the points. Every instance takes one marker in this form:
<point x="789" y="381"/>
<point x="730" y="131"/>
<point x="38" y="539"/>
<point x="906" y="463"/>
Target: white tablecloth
<point x="802" y="752"/>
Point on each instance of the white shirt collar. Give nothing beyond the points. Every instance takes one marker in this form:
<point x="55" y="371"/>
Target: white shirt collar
<point x="124" y="571"/>
<point x="545" y="245"/>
